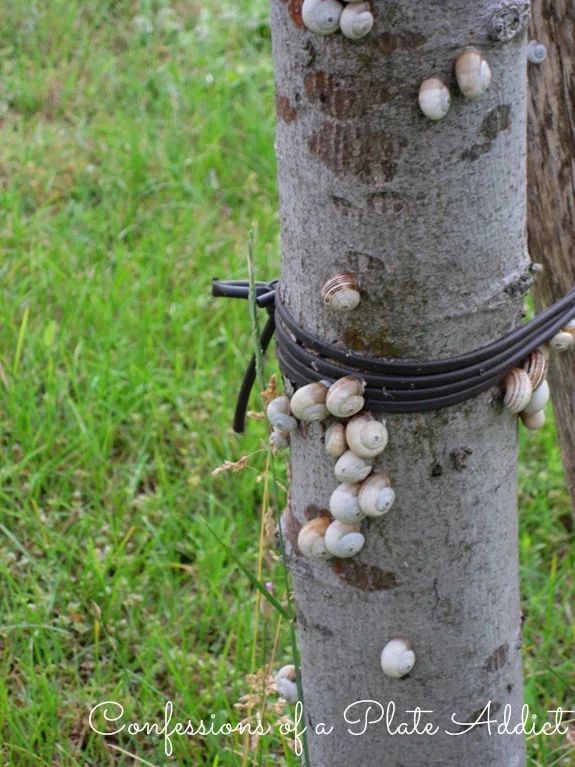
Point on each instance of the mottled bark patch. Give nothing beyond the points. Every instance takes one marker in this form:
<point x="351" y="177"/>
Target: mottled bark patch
<point x="290" y="528"/>
<point x="312" y="512"/>
<point x="385" y="202"/>
<point x="336" y="95"/>
<point x="372" y="156"/>
<point x="389" y="43"/>
<point x="294" y="8"/>
<point x="497" y="659"/>
<point x="284" y="110"/>
<point x="459" y="457"/>
<point x="498" y="120"/>
<point x="375" y="344"/>
<point x="364" y="577"/>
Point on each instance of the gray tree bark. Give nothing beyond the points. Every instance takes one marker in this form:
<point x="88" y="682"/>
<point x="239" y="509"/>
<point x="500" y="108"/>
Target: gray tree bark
<point x="551" y="187"/>
<point x="432" y="219"/>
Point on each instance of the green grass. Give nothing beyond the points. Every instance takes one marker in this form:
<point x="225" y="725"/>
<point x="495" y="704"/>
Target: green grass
<point x="137" y="152"/>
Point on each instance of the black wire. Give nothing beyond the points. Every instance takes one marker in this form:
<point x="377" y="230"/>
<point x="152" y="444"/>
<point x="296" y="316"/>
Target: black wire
<point x="392" y="386"/>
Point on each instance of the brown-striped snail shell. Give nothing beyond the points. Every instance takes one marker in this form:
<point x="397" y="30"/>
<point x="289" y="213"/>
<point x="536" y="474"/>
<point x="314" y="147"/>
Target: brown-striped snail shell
<point x="311" y="539"/>
<point x="356" y="21"/>
<point x="345" y="397"/>
<point x="562" y="341"/>
<point x="472" y="73"/>
<point x="533" y="421"/>
<point x="536" y="366"/>
<point x="335" y="443"/>
<point x="376" y="496"/>
<point x="321" y="16"/>
<point x="279" y="440"/>
<point x="366" y="436"/>
<point x="343" y="540"/>
<point x="341" y="293"/>
<point x="397" y="658"/>
<point x="518" y="390"/>
<point x="286" y="684"/>
<point x="569" y="327"/>
<point x="344" y="503"/>
<point x="278" y="414"/>
<point x="308" y="402"/>
<point x="434" y="98"/>
<point x="539" y="399"/>
<point x="351" y="467"/>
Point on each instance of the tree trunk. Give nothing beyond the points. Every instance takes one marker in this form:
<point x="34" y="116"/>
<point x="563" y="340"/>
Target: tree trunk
<point x="551" y="173"/>
<point x="431" y="217"/>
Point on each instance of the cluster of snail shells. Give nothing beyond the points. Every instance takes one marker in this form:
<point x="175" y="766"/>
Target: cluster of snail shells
<point x="354" y="441"/>
<point x="473" y="75"/>
<point x="526" y="391"/>
<point x="324" y="17"/>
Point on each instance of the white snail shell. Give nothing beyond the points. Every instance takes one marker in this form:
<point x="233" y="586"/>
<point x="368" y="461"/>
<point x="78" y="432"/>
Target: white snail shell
<point x="562" y="341"/>
<point x="518" y="390"/>
<point x="278" y="413"/>
<point x="536" y="52"/>
<point x="397" y="658"/>
<point x="345" y="397"/>
<point x="434" y="98"/>
<point x="279" y="440"/>
<point x="366" y="436"/>
<point x="356" y="21"/>
<point x="343" y="540"/>
<point x="286" y="685"/>
<point x="308" y="403"/>
<point x="344" y="503"/>
<point x="311" y="539"/>
<point x="340" y="292"/>
<point x="536" y="366"/>
<point x="472" y="73"/>
<point x="533" y="421"/>
<point x="351" y="467"/>
<point x="376" y="496"/>
<point x="539" y="399"/>
<point x="321" y="16"/>
<point x="335" y="443"/>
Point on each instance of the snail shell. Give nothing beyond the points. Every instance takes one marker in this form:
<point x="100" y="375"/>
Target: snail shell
<point x="335" y="443"/>
<point x="536" y="366"/>
<point x="345" y="397"/>
<point x="351" y="467"/>
<point x="340" y="292"/>
<point x="356" y="21"/>
<point x="536" y="52"/>
<point x="321" y="16"/>
<point x="569" y="327"/>
<point x="311" y="539"/>
<point x="539" y="399"/>
<point x="376" y="496"/>
<point x="343" y="540"/>
<point x="366" y="436"/>
<point x="344" y="504"/>
<point x="397" y="658"/>
<point x="472" y="73"/>
<point x="518" y="390"/>
<point x="434" y="98"/>
<point x="279" y="440"/>
<point x="286" y="685"/>
<point x="562" y="341"/>
<point x="308" y="403"/>
<point x="278" y="414"/>
<point x="533" y="421"/>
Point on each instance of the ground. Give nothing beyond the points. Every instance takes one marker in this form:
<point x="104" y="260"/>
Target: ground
<point x="137" y="153"/>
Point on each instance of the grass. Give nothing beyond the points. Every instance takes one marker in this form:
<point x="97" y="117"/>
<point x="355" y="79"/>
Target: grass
<point x="137" y="152"/>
